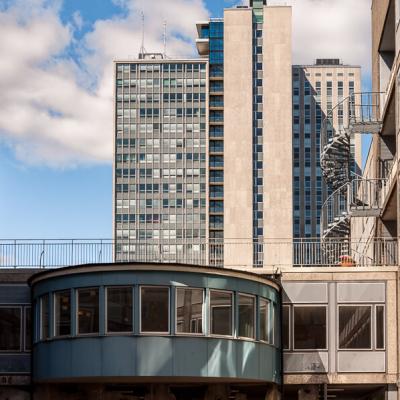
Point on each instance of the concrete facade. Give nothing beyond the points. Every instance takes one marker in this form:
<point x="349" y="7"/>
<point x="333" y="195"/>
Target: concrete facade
<point x="238" y="132"/>
<point x="277" y="112"/>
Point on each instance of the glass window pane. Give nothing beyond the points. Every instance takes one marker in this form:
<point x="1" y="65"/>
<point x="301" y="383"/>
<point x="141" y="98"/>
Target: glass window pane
<point x="246" y="316"/>
<point x="286" y="327"/>
<point x="62" y="314"/>
<point x="154" y="309"/>
<point x="189" y="310"/>
<point x="309" y="327"/>
<point x="355" y="327"/>
<point x="10" y="329"/>
<point x="264" y="320"/>
<point x="380" y="327"/>
<point x="28" y="329"/>
<point x="221" y="313"/>
<point x="88" y="310"/>
<point x="119" y="309"/>
<point x="44" y="317"/>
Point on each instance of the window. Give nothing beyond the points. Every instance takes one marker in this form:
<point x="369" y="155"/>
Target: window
<point x="62" y="314"/>
<point x="286" y="327"/>
<point x="44" y="317"/>
<point x="88" y="311"/>
<point x="246" y="316"/>
<point x="264" y="320"/>
<point x="189" y="310"/>
<point x="154" y="306"/>
<point x="10" y="329"/>
<point x="355" y="327"/>
<point x="221" y="313"/>
<point x="309" y="327"/>
<point x="119" y="309"/>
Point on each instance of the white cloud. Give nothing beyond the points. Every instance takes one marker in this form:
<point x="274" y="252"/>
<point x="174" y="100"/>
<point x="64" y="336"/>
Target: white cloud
<point x="57" y="110"/>
<point x="332" y="29"/>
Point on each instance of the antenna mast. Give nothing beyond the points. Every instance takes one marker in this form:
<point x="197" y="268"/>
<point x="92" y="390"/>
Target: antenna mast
<point x="142" y="51"/>
<point x="165" y="39"/>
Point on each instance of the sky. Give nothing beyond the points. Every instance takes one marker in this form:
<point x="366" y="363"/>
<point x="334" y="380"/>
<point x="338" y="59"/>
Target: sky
<point x="56" y="88"/>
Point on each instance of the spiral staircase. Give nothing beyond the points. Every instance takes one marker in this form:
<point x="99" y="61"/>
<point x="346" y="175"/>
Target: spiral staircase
<point x="351" y="195"/>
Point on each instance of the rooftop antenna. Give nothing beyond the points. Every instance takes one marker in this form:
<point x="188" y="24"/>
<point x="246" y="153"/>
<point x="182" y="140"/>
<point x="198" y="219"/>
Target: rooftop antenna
<point x="142" y="51"/>
<point x="165" y="39"/>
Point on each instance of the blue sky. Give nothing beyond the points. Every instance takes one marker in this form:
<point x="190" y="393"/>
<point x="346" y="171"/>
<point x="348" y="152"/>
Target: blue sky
<point x="56" y="131"/>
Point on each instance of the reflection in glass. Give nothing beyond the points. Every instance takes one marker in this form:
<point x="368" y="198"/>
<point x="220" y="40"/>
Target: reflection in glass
<point x="264" y="317"/>
<point x="380" y="327"/>
<point x="119" y="309"/>
<point x="355" y="327"/>
<point x="44" y="317"/>
<point x="309" y="327"/>
<point x="62" y="307"/>
<point x="88" y="310"/>
<point x="285" y="327"/>
<point x="221" y="313"/>
<point x="246" y="316"/>
<point x="189" y="310"/>
<point x="10" y="329"/>
<point x="28" y="329"/>
<point x="154" y="304"/>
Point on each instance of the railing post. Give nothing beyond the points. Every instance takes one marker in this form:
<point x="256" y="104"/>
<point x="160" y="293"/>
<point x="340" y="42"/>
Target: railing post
<point x="15" y="253"/>
<point x="72" y="252"/>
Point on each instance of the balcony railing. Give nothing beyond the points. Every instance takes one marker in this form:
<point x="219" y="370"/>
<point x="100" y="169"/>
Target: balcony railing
<point x="356" y="114"/>
<point x="228" y="253"/>
<point x="358" y="198"/>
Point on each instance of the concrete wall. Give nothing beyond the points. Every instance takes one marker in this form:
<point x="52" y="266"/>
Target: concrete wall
<point x="277" y="113"/>
<point x="238" y="134"/>
<point x="332" y="287"/>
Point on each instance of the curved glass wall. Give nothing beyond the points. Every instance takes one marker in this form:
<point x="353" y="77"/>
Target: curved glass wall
<point x="133" y="321"/>
<point x="231" y="314"/>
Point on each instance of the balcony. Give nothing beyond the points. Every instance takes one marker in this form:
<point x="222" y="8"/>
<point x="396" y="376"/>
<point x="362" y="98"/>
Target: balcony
<point x="202" y="46"/>
<point x="268" y="254"/>
<point x="358" y="198"/>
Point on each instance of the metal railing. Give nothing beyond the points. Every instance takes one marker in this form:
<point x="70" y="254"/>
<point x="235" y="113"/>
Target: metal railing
<point x="357" y="113"/>
<point x="364" y="196"/>
<point x="358" y="198"/>
<point x="229" y="253"/>
<point x="364" y="116"/>
<point x="334" y="217"/>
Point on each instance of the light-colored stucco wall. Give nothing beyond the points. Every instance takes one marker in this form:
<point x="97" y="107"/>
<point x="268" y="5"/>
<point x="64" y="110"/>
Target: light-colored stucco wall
<point x="277" y="113"/>
<point x="238" y="151"/>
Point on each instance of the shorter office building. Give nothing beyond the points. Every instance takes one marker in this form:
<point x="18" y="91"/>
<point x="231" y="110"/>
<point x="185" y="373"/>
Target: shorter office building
<point x="172" y="331"/>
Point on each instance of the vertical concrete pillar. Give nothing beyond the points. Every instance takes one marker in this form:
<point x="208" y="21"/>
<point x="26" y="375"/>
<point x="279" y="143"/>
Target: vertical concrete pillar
<point x="217" y="392"/>
<point x="277" y="136"/>
<point x="309" y="392"/>
<point x="238" y="137"/>
<point x="273" y="393"/>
